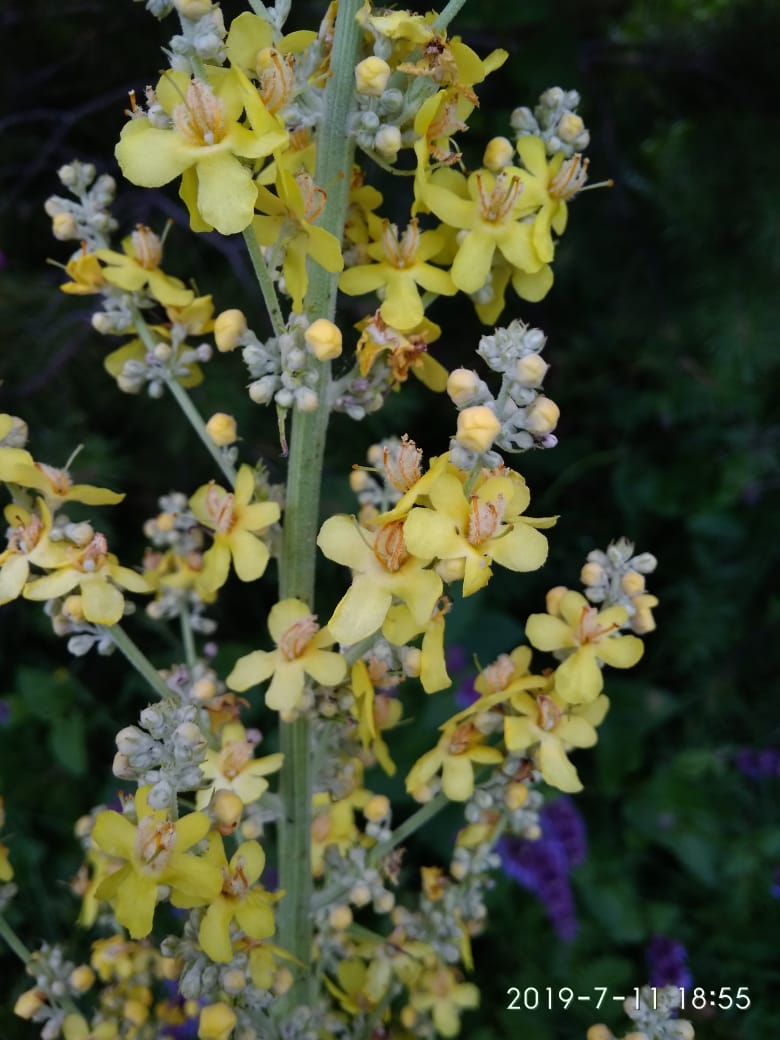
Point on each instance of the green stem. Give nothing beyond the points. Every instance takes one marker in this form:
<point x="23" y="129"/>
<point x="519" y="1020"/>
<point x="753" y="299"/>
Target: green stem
<point x="182" y="398"/>
<point x="265" y="281"/>
<point x="449" y="12"/>
<point x="335" y="150"/>
<point x="138" y="660"/>
<point x="409" y="826"/>
<point x="13" y="941"/>
<point x="187" y="637"/>
<point x="184" y="402"/>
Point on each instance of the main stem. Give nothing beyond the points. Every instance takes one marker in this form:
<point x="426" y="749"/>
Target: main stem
<point x="301" y="517"/>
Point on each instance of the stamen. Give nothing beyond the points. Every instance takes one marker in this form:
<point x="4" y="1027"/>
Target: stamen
<point x="297" y="637"/>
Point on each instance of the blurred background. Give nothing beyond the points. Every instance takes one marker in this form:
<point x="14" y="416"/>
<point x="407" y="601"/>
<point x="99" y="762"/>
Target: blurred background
<point x="663" y="333"/>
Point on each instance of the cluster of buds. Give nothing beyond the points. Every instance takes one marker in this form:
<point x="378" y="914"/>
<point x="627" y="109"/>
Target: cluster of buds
<point x="82" y="635"/>
<point x="202" y="36"/>
<point x="285" y="368"/>
<point x="86" y="219"/>
<point x="169" y="360"/>
<point x="520" y="417"/>
<point x="617" y="576"/>
<point x="56" y="980"/>
<point x="165" y="751"/>
<point x="556" y="121"/>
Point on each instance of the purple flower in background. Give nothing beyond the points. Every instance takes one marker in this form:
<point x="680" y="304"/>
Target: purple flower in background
<point x="543" y="866"/>
<point x="456" y="658"/>
<point x="466" y="694"/>
<point x="667" y="960"/>
<point x="774" y="888"/>
<point x="5" y="713"/>
<point x="758" y="763"/>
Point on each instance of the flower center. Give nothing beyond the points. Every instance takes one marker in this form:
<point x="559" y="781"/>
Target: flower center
<point x="462" y="738"/>
<point x="23" y="538"/>
<point x="200" y="119"/>
<point x="588" y="629"/>
<point x="484" y="519"/>
<point x="314" y="198"/>
<point x="297" y="637"/>
<point x="234" y="757"/>
<point x="235" y="883"/>
<point x="59" y="479"/>
<point x="401" y="253"/>
<point x="147" y="247"/>
<point x="570" y="178"/>
<point x="496" y="207"/>
<point x="219" y="506"/>
<point x="389" y="546"/>
<point x="93" y="555"/>
<point x="277" y="77"/>
<point x="498" y="674"/>
<point x="154" y="843"/>
<point x="549" y="712"/>
<point x="403" y="467"/>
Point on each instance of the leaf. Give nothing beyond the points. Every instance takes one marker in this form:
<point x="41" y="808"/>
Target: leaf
<point x="68" y="744"/>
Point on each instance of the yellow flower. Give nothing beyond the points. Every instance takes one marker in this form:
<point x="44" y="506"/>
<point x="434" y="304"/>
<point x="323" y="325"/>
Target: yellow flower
<point x="439" y="992"/>
<point x="28" y="543"/>
<point x="490" y="209"/>
<point x="206" y="143"/>
<point x="139" y="266"/>
<point x="234" y="767"/>
<point x="401" y="266"/>
<point x="374" y="712"/>
<point x="250" y="907"/>
<point x="403" y="352"/>
<point x="55" y="485"/>
<point x="96" y="573"/>
<point x="548" y="187"/>
<point x="333" y="823"/>
<point x="236" y="522"/>
<point x="383" y="568"/>
<point x="300" y="652"/>
<point x="75" y="1027"/>
<point x="86" y="275"/>
<point x="589" y="637"/>
<point x="361" y="987"/>
<point x="400" y="628"/>
<point x="546" y="727"/>
<point x="458" y="748"/>
<point x="486" y="527"/>
<point x="155" y="851"/>
<point x="287" y="221"/>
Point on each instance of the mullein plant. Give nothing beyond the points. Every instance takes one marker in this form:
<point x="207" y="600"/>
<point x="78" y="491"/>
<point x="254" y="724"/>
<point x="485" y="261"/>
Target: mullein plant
<point x="275" y="136"/>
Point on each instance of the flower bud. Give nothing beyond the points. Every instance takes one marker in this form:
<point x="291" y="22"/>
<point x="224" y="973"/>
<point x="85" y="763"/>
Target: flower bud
<point x="359" y="480"/>
<point x="340" y="917"/>
<point x="229" y="327"/>
<point x="306" y="399"/>
<point x="360" y="894"/>
<point x="135" y="1013"/>
<point x="217" y="1022"/>
<point x="632" y="583"/>
<point x="498" y="154"/>
<point x="642" y="622"/>
<point x="515" y="796"/>
<point x="463" y="385"/>
<point x="531" y="370"/>
<point x="592" y="574"/>
<point x="283" y="980"/>
<point x="542" y="417"/>
<point x="64" y="226"/>
<point x="371" y="76"/>
<point x="377" y="808"/>
<point x="323" y="339"/>
<point x="570" y="127"/>
<point x="553" y="599"/>
<point x="388" y="141"/>
<point x="599" y="1032"/>
<point x="412" y="662"/>
<point x="73" y="608"/>
<point x="227" y="808"/>
<point x="193" y="9"/>
<point x="29" y="1002"/>
<point x="222" y="429"/>
<point x="233" y="980"/>
<point x="204" y="689"/>
<point x="478" y="427"/>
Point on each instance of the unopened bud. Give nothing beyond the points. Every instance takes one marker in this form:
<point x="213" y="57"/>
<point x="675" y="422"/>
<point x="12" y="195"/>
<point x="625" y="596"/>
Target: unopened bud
<point x="531" y="370"/>
<point x="193" y="9"/>
<point x="323" y="339"/>
<point x="359" y="480"/>
<point x="29" y="1002"/>
<point x="229" y="328"/>
<point x="515" y="796"/>
<point x="233" y="981"/>
<point x="570" y="127"/>
<point x="227" y="808"/>
<point x="377" y="808"/>
<point x="371" y="76"/>
<point x="283" y="980"/>
<point x="412" y="661"/>
<point x="64" y="227"/>
<point x="542" y="417"/>
<point x="73" y="608"/>
<point x="478" y="427"/>
<point x="306" y="399"/>
<point x="340" y="917"/>
<point x="135" y="1012"/>
<point x="222" y="429"/>
<point x="217" y="1022"/>
<point x="360" y="894"/>
<point x="553" y="599"/>
<point x="463" y="385"/>
<point x="592" y="574"/>
<point x="599" y="1032"/>
<point x="632" y="583"/>
<point x="498" y="154"/>
<point x="388" y="141"/>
